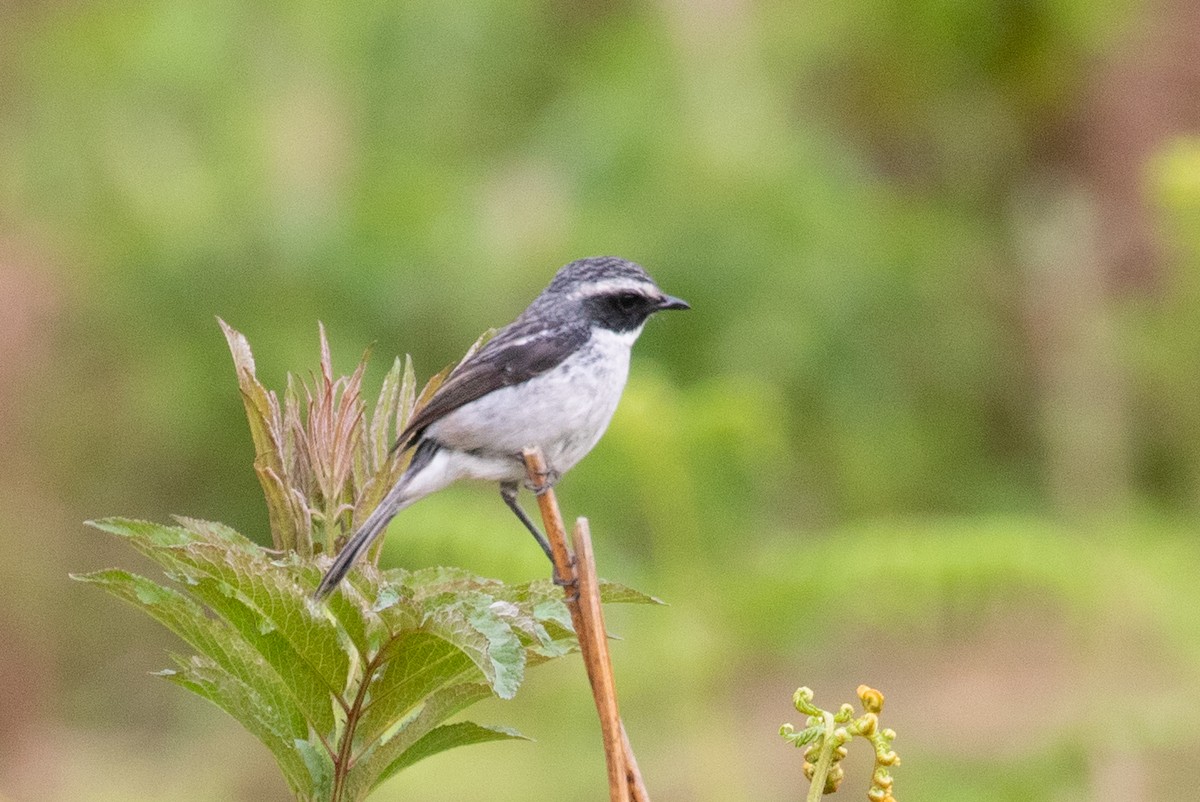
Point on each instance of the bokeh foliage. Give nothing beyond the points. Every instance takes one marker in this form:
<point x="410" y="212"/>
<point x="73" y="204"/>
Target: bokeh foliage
<point x="899" y="363"/>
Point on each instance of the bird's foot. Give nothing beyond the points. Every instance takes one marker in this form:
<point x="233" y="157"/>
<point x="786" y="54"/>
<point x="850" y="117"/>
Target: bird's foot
<point x="546" y="480"/>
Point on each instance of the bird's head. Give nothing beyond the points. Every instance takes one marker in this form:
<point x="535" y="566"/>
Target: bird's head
<point x="612" y="293"/>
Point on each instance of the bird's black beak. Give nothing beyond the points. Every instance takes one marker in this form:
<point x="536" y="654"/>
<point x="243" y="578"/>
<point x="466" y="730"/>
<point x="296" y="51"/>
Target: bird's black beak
<point x="671" y="302"/>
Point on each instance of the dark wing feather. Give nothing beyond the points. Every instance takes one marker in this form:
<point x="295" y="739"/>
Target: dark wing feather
<point x="515" y="355"/>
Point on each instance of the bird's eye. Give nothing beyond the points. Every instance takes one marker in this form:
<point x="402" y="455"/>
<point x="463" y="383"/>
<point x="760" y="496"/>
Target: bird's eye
<point x="628" y="301"/>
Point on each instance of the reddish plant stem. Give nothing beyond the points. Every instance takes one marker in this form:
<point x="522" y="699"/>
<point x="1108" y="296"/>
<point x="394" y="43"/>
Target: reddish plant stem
<point x="344" y="760"/>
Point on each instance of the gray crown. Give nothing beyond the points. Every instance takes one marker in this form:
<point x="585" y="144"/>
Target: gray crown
<point x="597" y="268"/>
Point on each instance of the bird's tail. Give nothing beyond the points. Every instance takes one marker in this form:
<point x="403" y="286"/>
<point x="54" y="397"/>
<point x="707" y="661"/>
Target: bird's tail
<point x="361" y="540"/>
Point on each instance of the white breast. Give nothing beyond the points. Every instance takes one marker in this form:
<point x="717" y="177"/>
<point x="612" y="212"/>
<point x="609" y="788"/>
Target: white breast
<point x="564" y="411"/>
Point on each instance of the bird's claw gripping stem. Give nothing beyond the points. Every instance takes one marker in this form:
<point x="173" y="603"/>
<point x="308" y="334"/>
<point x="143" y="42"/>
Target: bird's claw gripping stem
<point x="546" y="480"/>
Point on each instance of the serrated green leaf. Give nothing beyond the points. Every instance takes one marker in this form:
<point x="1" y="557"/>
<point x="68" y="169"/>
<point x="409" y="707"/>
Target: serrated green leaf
<point x="536" y="611"/>
<point x="545" y="639"/>
<point x="270" y="461"/>
<point x="311" y="694"/>
<point x="383" y="420"/>
<point x="144" y="535"/>
<point x="213" y="638"/>
<point x="554" y="611"/>
<point x="351" y="605"/>
<point x="214" y="532"/>
<point x="541" y="590"/>
<point x="483" y="636"/>
<point x="448" y="736"/>
<point x="416" y="664"/>
<point x="208" y="680"/>
<point x="408" y="397"/>
<point x="616" y="593"/>
<point x="425" y="583"/>
<point x="371" y="765"/>
<point x="280" y="602"/>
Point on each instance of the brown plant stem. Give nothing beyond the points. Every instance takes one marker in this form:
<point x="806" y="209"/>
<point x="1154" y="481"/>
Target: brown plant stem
<point x="582" y="588"/>
<point x="603" y="685"/>
<point x="637" y="788"/>
<point x="345" y="757"/>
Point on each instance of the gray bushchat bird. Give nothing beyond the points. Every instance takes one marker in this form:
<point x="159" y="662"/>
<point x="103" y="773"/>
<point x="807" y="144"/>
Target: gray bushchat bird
<point x="551" y="379"/>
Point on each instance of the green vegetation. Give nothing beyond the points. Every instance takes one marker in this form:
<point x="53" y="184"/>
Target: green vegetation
<point x="826" y="735"/>
<point x="347" y="697"/>
<point x="936" y="414"/>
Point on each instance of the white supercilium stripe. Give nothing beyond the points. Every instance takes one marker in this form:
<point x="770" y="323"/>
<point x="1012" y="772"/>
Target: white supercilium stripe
<point x="613" y="286"/>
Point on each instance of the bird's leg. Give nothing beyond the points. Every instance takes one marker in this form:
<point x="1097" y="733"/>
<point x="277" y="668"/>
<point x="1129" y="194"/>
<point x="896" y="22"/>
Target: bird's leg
<point x="508" y="492"/>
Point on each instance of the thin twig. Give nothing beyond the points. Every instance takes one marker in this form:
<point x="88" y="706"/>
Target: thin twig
<point x="603" y="685"/>
<point x="556" y="531"/>
<point x="578" y="575"/>
<point x="598" y="663"/>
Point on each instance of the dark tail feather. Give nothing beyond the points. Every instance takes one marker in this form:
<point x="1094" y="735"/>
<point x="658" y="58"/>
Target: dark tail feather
<point x="358" y="544"/>
<point x="377" y="521"/>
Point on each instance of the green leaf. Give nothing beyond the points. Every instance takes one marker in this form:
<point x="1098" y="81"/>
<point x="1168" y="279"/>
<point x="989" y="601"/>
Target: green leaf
<point x="472" y="625"/>
<point x="289" y="516"/>
<point x="266" y="425"/>
<point x="371" y="766"/>
<point x="215" y="532"/>
<point x="312" y="694"/>
<point x="545" y="590"/>
<point x="538" y="612"/>
<point x="445" y="737"/>
<point x="417" y="664"/>
<point x="320" y="768"/>
<point x="616" y="593"/>
<point x="408" y="396"/>
<point x="547" y="633"/>
<point x="261" y="600"/>
<point x="262" y="408"/>
<point x="208" y="680"/>
<point x="281" y="604"/>
<point x="504" y="650"/>
<point x="382" y="422"/>
<point x="208" y="571"/>
<point x="426" y="583"/>
<point x="213" y="638"/>
<point x="351" y="605"/>
<point x="554" y="615"/>
<point x="144" y="535"/>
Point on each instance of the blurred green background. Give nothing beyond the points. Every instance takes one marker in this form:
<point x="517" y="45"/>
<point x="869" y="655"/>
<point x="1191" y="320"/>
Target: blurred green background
<point x="934" y="424"/>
